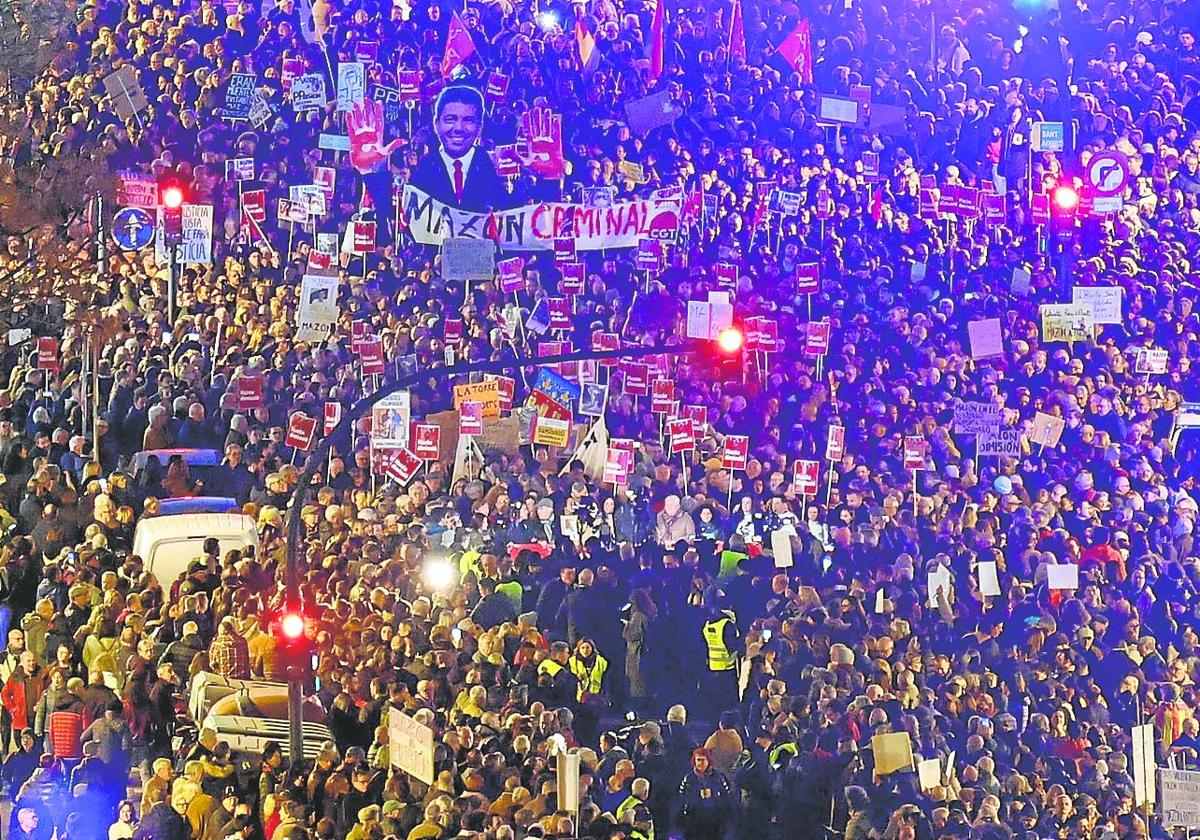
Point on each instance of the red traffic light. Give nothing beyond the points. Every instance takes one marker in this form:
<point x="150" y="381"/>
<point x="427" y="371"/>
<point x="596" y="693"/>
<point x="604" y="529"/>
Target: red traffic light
<point x="730" y="340"/>
<point x="172" y="198"/>
<point x="1066" y="198"/>
<point x="292" y="625"/>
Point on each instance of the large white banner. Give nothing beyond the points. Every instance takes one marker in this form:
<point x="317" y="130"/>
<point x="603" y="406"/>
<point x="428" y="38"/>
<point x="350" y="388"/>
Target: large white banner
<point x="534" y="227"/>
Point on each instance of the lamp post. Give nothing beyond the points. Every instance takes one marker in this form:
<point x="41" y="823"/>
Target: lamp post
<point x="320" y="454"/>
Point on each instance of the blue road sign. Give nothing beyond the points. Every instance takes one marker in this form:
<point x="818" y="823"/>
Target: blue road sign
<point x="132" y="228"/>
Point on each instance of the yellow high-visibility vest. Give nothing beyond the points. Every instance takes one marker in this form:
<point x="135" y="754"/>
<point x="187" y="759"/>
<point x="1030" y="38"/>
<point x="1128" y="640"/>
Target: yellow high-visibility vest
<point x="720" y="658"/>
<point x="591" y="679"/>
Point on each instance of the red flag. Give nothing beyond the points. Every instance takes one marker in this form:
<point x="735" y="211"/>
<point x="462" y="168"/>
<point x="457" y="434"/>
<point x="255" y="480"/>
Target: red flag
<point x="459" y="46"/>
<point x="658" y="39"/>
<point x="737" y="33"/>
<point x="796" y="50"/>
<point x="587" y="44"/>
<point x="877" y="202"/>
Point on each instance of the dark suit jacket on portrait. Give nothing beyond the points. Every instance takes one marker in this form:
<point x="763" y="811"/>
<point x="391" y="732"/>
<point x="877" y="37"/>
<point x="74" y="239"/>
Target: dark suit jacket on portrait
<point x="483" y="189"/>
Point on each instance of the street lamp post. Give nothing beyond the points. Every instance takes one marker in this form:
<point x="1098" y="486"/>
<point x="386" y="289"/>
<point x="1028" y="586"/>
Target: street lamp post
<point x="320" y="454"/>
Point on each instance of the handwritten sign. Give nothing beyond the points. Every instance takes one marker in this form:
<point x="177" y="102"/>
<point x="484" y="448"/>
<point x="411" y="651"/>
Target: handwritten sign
<point x="1067" y="322"/>
<point x="468" y="259"/>
<point x="486" y="393"/>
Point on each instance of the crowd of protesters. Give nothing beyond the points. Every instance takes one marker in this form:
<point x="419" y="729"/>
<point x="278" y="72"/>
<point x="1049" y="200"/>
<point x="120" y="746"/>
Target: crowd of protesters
<point x="709" y="692"/>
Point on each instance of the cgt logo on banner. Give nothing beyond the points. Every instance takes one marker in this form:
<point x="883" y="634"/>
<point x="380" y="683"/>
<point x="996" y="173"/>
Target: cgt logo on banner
<point x="535" y="227"/>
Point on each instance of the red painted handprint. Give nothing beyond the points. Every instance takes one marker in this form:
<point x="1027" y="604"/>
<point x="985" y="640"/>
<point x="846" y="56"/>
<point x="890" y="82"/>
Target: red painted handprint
<point x="542" y="129"/>
<point x="364" y="124"/>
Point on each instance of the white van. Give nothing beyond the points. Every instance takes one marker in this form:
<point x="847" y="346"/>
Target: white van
<point x="167" y="544"/>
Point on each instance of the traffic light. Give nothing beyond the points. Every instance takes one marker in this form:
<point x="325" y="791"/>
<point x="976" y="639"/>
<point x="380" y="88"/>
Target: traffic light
<point x="292" y="643"/>
<point x="1066" y="199"/>
<point x="721" y="357"/>
<point x="1064" y="208"/>
<point x="731" y="340"/>
<point x="171" y="198"/>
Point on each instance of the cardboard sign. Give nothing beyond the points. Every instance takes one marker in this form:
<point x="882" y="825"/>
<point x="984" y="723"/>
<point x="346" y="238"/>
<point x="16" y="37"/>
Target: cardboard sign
<point x="136" y="190"/>
<point x="973" y="418"/>
<point x="331" y="417"/>
<point x="805" y="477"/>
<point x="470" y="418"/>
<point x="835" y="443"/>
<point x="391" y="418"/>
<point x="301" y="430"/>
<point x="468" y="259"/>
<point x="351" y="84"/>
<point x="985" y="338"/>
<point x="989" y="578"/>
<point x="808" y="278"/>
<point x="427" y="441"/>
<point x="196" y="246"/>
<point x="816" y="339"/>
<point x="735" y="452"/>
<point x="1066" y="322"/>
<point x="1151" y="360"/>
<point x="617" y="465"/>
<point x="1001" y="442"/>
<point x="510" y="274"/>
<point x="662" y="392"/>
<point x="1062" y="575"/>
<point x="1047" y="429"/>
<point x="47" y="353"/>
<point x="681" y="434"/>
<point x="486" y="393"/>
<point x="237" y="96"/>
<point x="370" y="356"/>
<point x="1105" y="302"/>
<point x="636" y="379"/>
<point x="892" y="752"/>
<point x="781" y="547"/>
<point x="250" y="393"/>
<point x="548" y="431"/>
<point x="914" y="452"/>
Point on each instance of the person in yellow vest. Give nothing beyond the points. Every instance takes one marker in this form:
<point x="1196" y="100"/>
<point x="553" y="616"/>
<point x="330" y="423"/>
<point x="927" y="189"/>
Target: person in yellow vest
<point x="723" y="645"/>
<point x="557" y="685"/>
<point x="589" y="668"/>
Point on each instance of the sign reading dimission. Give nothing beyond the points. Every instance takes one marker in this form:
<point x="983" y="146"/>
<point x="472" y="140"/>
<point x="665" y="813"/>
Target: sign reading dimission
<point x="410" y="746"/>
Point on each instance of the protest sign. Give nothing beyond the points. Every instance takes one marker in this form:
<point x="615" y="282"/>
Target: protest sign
<point x="250" y="393"/>
<point x="331" y="416"/>
<point x="1105" y="302"/>
<point x="1047" y="429"/>
<point x="486" y="393"/>
<point x="985" y="338"/>
<point x="573" y="278"/>
<point x="636" y="378"/>
<point x="470" y="418"/>
<point x="196" y="246"/>
<point x="468" y="259"/>
<point x="534" y="227"/>
<point x="125" y="92"/>
<point x="892" y="752"/>
<point x="1062" y="575"/>
<point x="835" y="443"/>
<point x="427" y="441"/>
<point x="1066" y="322"/>
<point x="308" y="92"/>
<point x="681" y="434"/>
<point x="973" y="418"/>
<point x="1151" y="360"/>
<point x="735" y="452"/>
<point x="989" y="579"/>
<point x="662" y="392"/>
<point x="1180" y="797"/>
<point x="239" y="169"/>
<point x="47" y="353"/>
<point x="370" y="356"/>
<point x="318" y="310"/>
<point x="939" y="580"/>
<point x="548" y="431"/>
<point x="804" y="477"/>
<point x="511" y="274"/>
<point x="362" y="237"/>
<point x="592" y="399"/>
<point x="1002" y="442"/>
<point x="301" y="430"/>
<point x="390" y="421"/>
<point x="651" y="112"/>
<point x="136" y="190"/>
<point x="808" y="278"/>
<point x="401" y="465"/>
<point x="816" y="338"/>
<point x="237" y="96"/>
<point x="914" y="452"/>
<point x="617" y="464"/>
<point x="781" y="547"/>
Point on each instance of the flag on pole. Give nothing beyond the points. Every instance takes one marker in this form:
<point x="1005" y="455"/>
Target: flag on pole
<point x="658" y="35"/>
<point x="736" y="46"/>
<point x="587" y="45"/>
<point x="796" y="50"/>
<point x="459" y="46"/>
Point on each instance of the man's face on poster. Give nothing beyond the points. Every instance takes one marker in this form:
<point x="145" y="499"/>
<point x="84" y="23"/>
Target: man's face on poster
<point x="458" y="127"/>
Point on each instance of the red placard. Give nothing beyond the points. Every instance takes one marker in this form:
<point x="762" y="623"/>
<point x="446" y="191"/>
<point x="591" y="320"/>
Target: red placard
<point x="808" y="278"/>
<point x="804" y="477"/>
<point x="508" y="388"/>
<point x="816" y="338"/>
<point x="254" y="207"/>
<point x="332" y="416"/>
<point x="1040" y="209"/>
<point x="427" y="441"/>
<point x="994" y="209"/>
<point x="681" y="434"/>
<point x="636" y="378"/>
<point x="453" y="330"/>
<point x="617" y="464"/>
<point x="497" y="86"/>
<point x="560" y="313"/>
<point x="735" y="452"/>
<point x="511" y="273"/>
<point x="564" y="249"/>
<point x="914" y="452"/>
<point x="727" y="276"/>
<point x="47" y="353"/>
<point x="370" y="354"/>
<point x="928" y="206"/>
<point x="753" y="329"/>
<point x="408" y="83"/>
<point x="362" y="237"/>
<point x="301" y="430"/>
<point x="768" y="337"/>
<point x="572" y="278"/>
<point x="606" y="341"/>
<point x="662" y="392"/>
<point x="470" y="418"/>
<point x="835" y="443"/>
<point x="401" y="465"/>
<point x="698" y="414"/>
<point x="250" y="393"/>
<point x="360" y="331"/>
